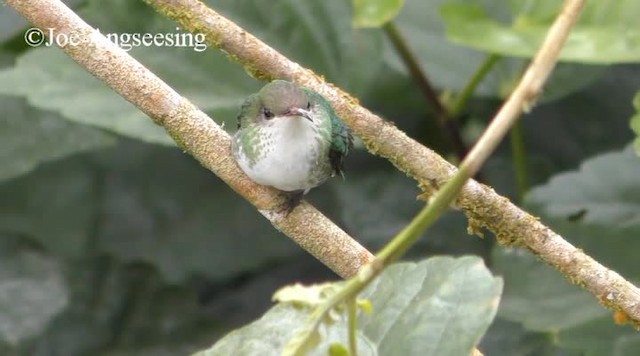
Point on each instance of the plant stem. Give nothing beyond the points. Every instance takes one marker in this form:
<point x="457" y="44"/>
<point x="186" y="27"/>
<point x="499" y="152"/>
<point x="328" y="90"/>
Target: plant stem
<point x="439" y="203"/>
<point x="461" y="99"/>
<point x="519" y="155"/>
<point x="392" y="251"/>
<point x="448" y="126"/>
<point x="352" y="310"/>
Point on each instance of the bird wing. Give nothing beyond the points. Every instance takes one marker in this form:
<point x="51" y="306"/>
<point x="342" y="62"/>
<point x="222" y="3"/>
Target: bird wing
<point x="341" y="138"/>
<point x="341" y="143"/>
<point x="249" y="109"/>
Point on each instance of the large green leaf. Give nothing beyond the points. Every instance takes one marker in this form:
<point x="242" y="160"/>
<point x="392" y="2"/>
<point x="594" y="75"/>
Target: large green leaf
<point x="560" y="135"/>
<point x="32" y="292"/>
<point x="375" y="205"/>
<point x="124" y="310"/>
<point x="140" y="202"/>
<point x="601" y="336"/>
<point x="607" y="32"/>
<point x="375" y="13"/>
<point x="440" y="306"/>
<point x="366" y="196"/>
<point x="49" y="80"/>
<point x="315" y="33"/>
<point x="539" y="297"/>
<point x="450" y="66"/>
<point x="12" y="24"/>
<point x="509" y="338"/>
<point x="594" y="193"/>
<point x="30" y="137"/>
<point x="598" y="209"/>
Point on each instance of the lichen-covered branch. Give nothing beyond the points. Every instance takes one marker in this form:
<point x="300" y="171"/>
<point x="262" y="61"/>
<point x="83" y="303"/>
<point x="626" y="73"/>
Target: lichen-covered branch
<point x="194" y="132"/>
<point x="483" y="206"/>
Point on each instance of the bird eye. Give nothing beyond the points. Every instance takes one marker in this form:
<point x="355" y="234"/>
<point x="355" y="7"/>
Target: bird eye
<point x="308" y="105"/>
<point x="267" y="113"/>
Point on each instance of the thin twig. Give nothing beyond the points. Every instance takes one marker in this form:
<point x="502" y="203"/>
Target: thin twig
<point x="483" y="206"/>
<point x="461" y="99"/>
<point x="519" y="159"/>
<point x="194" y="131"/>
<point x="525" y="94"/>
<point x="448" y="126"/>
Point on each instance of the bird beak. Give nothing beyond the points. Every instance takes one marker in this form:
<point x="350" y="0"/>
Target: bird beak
<point x="299" y="112"/>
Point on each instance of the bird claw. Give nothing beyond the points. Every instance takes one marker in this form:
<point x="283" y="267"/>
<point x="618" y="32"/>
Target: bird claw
<point x="292" y="200"/>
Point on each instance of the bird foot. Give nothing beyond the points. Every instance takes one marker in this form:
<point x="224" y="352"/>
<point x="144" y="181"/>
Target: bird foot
<point x="293" y="199"/>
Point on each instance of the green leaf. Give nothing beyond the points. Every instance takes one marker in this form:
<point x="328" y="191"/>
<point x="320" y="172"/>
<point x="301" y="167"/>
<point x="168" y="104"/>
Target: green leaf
<point x="367" y="195"/>
<point x="605" y="33"/>
<point x="32" y="292"/>
<point x="124" y="310"/>
<point x="538" y="296"/>
<point x="53" y="205"/>
<point x="598" y="212"/>
<point x="338" y="350"/>
<point x="599" y="337"/>
<point x="140" y="202"/>
<point x="304" y="296"/>
<point x="50" y="80"/>
<point x="601" y="198"/>
<point x="315" y="33"/>
<point x="561" y="134"/>
<point x="635" y="122"/>
<point x="440" y="306"/>
<point x="375" y="13"/>
<point x="304" y="342"/>
<point x="509" y="338"/>
<point x="30" y="137"/>
<point x="376" y="205"/>
<point x="449" y="66"/>
<point x="12" y="23"/>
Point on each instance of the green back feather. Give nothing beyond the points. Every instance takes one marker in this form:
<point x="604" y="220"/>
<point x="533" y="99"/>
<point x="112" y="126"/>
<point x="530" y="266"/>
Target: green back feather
<point x="341" y="139"/>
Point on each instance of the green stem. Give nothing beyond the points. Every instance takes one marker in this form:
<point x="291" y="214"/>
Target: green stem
<point x="519" y="155"/>
<point x="392" y="251"/>
<point x="466" y="93"/>
<point x="439" y="203"/>
<point x="448" y="126"/>
<point x="352" y="309"/>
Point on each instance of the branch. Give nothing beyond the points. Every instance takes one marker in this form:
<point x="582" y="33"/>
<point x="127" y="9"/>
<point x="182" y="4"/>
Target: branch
<point x="448" y="125"/>
<point x="194" y="132"/>
<point x="483" y="206"/>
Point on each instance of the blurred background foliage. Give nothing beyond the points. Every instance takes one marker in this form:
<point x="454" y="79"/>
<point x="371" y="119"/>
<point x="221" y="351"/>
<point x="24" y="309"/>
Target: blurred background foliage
<point x="112" y="241"/>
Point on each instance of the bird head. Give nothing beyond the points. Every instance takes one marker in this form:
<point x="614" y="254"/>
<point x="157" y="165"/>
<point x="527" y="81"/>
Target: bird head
<point x="284" y="99"/>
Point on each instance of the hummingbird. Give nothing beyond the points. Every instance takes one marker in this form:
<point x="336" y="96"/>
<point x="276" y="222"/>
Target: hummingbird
<point x="290" y="138"/>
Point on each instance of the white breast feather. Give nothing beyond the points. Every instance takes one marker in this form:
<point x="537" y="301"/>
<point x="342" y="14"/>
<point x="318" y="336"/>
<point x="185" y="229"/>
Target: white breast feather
<point x="291" y="150"/>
